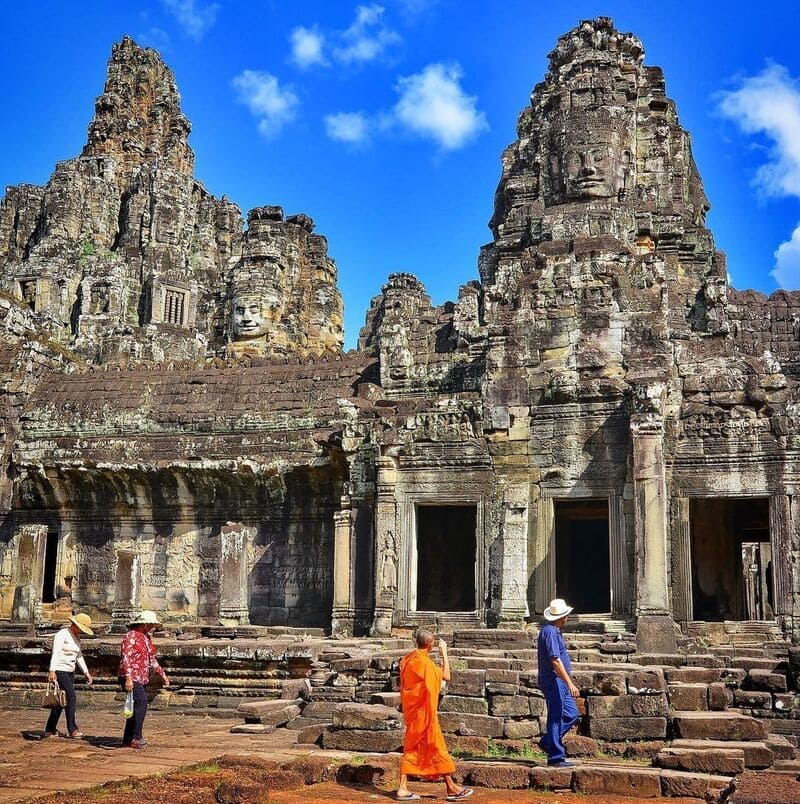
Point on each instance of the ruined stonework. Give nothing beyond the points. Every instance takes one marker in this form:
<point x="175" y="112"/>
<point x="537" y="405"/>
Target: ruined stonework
<point x="599" y="416"/>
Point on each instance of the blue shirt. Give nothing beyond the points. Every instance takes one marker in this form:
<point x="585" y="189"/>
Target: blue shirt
<point x="551" y="646"/>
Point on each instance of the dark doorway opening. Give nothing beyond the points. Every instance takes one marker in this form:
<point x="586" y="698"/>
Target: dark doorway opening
<point x="732" y="576"/>
<point x="446" y="551"/>
<point x="583" y="574"/>
<point x="49" y="574"/>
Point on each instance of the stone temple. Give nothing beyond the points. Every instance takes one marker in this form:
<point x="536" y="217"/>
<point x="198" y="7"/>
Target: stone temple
<point x="599" y="416"/>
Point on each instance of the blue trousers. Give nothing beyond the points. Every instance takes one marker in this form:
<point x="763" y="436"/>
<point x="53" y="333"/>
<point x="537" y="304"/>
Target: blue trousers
<point x="562" y="715"/>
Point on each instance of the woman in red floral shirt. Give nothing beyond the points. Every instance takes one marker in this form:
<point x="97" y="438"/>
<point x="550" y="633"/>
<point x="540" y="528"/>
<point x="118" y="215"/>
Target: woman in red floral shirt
<point x="138" y="659"/>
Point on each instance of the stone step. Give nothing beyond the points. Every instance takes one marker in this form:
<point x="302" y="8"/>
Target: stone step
<point x="717" y="726"/>
<point x="596" y="778"/>
<point x="723" y="761"/>
<point x="757" y="754"/>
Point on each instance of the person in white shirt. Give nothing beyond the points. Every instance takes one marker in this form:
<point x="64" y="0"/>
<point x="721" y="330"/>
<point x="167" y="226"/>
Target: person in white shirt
<point x="66" y="654"/>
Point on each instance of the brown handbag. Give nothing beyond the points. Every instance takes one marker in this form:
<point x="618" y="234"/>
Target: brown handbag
<point x="53" y="696"/>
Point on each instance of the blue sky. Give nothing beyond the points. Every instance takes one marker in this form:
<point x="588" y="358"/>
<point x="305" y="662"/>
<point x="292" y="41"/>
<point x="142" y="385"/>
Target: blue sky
<point x="385" y="121"/>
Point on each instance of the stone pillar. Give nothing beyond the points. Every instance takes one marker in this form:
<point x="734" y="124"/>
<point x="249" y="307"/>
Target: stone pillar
<point x="511" y="608"/>
<point x="794" y="561"/>
<point x="342" y="615"/>
<point x="387" y="554"/>
<point x="681" y="559"/>
<point x="655" y="628"/>
<point x="31" y="542"/>
<point x="234" y="607"/>
<point x="127" y="591"/>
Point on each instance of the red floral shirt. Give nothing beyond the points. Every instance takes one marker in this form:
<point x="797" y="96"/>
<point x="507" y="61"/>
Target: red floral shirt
<point x="139" y="657"/>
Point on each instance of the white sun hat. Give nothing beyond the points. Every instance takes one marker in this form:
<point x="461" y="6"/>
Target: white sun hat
<point x="557" y="609"/>
<point x="146" y="617"/>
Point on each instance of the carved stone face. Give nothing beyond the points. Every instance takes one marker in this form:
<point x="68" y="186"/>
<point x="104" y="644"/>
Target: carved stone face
<point x="254" y="315"/>
<point x="589" y="164"/>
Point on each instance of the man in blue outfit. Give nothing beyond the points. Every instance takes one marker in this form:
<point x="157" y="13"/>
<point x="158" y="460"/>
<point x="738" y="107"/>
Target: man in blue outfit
<point x="554" y="681"/>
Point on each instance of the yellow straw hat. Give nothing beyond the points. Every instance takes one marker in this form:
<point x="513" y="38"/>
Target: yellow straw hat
<point x="83" y="622"/>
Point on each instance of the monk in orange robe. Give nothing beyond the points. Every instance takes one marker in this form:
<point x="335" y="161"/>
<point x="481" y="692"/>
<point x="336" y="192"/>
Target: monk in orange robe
<point x="424" y="750"/>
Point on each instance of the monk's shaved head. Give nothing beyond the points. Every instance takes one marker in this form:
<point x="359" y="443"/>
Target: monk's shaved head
<point x="424" y="638"/>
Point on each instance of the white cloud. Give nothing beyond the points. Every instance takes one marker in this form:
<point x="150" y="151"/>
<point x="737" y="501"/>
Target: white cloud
<point x="194" y="17"/>
<point x="787" y="262"/>
<point x="273" y="105"/>
<point x="351" y="127"/>
<point x="366" y="39"/>
<point x="307" y="47"/>
<point x="769" y="104"/>
<point x="432" y="104"/>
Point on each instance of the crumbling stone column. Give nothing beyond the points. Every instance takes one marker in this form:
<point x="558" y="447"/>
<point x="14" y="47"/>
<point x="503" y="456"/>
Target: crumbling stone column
<point x="681" y="559"/>
<point x="387" y="548"/>
<point x="233" y="596"/>
<point x="655" y="627"/>
<point x="342" y="615"/>
<point x="511" y="607"/>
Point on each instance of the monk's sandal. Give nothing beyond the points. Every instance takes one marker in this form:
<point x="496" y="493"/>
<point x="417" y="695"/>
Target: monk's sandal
<point x="465" y="792"/>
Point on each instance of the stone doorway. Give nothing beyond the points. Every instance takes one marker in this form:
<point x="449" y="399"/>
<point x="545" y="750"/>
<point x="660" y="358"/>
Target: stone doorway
<point x="732" y="572"/>
<point x="583" y="558"/>
<point x="446" y="558"/>
<point x="49" y="568"/>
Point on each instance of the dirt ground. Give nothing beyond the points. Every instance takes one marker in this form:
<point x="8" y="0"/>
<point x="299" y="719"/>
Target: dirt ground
<point x="182" y="765"/>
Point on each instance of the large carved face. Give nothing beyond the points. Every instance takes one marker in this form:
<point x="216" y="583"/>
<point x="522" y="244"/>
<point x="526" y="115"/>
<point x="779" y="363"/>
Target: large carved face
<point x="589" y="162"/>
<point x="254" y="315"/>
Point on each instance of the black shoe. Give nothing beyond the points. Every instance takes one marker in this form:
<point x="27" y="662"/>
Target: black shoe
<point x="560" y="763"/>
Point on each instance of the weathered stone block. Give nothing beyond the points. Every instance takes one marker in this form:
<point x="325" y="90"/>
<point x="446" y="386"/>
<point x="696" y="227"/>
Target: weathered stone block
<point x="688" y="697"/>
<point x="692" y="675"/>
<point x="537" y="706"/>
<point x="467" y="682"/>
<point x="717" y="726"/>
<point x="500" y="777"/>
<point x="464" y="703"/>
<point x="509" y="706"/>
<point x="642" y="782"/>
<point x="610" y="682"/>
<point x="765" y="680"/>
<point x="627" y="705"/>
<point x="710" y="760"/>
<point x="628" y="728"/>
<point x="320" y="709"/>
<point x="481" y="725"/>
<point x="678" y="784"/>
<point x="312" y="734"/>
<point x="752" y="699"/>
<point x="366" y="716"/>
<point x="544" y="778"/>
<point x="521" y="729"/>
<point x="646" y="682"/>
<point x="578" y="746"/>
<point x="386" y="699"/>
<point x="380" y="742"/>
<point x="720" y="696"/>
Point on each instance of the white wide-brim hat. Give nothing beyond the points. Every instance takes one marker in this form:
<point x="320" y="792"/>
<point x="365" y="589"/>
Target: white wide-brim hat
<point x="146" y="617"/>
<point x="557" y="609"/>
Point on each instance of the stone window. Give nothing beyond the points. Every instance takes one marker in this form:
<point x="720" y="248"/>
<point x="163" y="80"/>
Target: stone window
<point x="583" y="559"/>
<point x="446" y="555"/>
<point x="27" y="292"/>
<point x="174" y="307"/>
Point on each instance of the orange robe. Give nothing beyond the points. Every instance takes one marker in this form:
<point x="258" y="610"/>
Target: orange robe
<point x="424" y="750"/>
